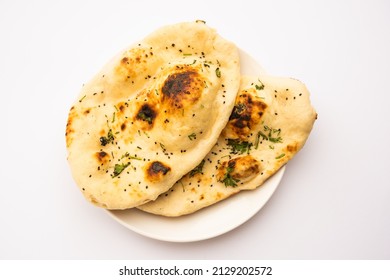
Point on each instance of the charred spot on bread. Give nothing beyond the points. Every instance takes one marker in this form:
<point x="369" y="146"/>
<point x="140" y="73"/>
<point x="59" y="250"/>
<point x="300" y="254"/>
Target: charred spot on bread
<point x="292" y="148"/>
<point x="181" y="86"/>
<point x="146" y="113"/>
<point x="69" y="128"/>
<point x="132" y="65"/>
<point x="102" y="157"/>
<point x="156" y="170"/>
<point x="246" y="113"/>
<point x="178" y="84"/>
<point x="125" y="60"/>
<point x="239" y="169"/>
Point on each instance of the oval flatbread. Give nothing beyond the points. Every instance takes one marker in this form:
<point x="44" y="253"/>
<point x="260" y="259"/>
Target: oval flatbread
<point x="271" y="121"/>
<point x="151" y="114"/>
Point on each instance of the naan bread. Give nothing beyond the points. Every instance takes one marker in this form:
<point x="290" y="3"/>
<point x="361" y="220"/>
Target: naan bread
<point x="151" y="114"/>
<point x="270" y="122"/>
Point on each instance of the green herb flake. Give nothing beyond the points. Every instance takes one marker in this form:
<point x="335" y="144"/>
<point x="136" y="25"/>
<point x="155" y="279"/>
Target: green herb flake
<point x="257" y="141"/>
<point x="197" y="169"/>
<point x="118" y="168"/>
<point x="280" y="156"/>
<point x="218" y="72"/>
<point x="134" y="157"/>
<point x="228" y="180"/>
<point x="238" y="109"/>
<point x="146" y="134"/>
<point x="127" y="155"/>
<point x="144" y="117"/>
<point x="273" y="135"/>
<point x="104" y="140"/>
<point x="192" y="136"/>
<point x="82" y="98"/>
<point x="260" y="86"/>
<point x="187" y="54"/>
<point x="113" y="117"/>
<point x="239" y="147"/>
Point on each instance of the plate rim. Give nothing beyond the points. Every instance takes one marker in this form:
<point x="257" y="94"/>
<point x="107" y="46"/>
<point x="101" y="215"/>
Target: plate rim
<point x="277" y="177"/>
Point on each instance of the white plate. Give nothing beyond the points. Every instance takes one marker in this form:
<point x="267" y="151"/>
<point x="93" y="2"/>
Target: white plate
<point x="213" y="220"/>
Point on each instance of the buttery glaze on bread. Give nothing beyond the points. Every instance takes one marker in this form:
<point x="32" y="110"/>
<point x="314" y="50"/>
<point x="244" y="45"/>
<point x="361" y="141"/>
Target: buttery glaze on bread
<point x="271" y="121"/>
<point x="151" y="114"/>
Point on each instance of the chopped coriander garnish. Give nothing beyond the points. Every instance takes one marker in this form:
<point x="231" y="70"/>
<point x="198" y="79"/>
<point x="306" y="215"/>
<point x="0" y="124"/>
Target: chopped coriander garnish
<point x="275" y="140"/>
<point x="238" y="109"/>
<point x="197" y="169"/>
<point x="127" y="155"/>
<point x="113" y="117"/>
<point x="105" y="140"/>
<point x="228" y="180"/>
<point x="257" y="140"/>
<point x="259" y="87"/>
<point x="239" y="147"/>
<point x="280" y="156"/>
<point x="147" y="135"/>
<point x="218" y="72"/>
<point x="118" y="168"/>
<point x="192" y="136"/>
<point x="82" y="98"/>
<point x="133" y="157"/>
<point x="273" y="134"/>
<point x="261" y="134"/>
<point x="144" y="117"/>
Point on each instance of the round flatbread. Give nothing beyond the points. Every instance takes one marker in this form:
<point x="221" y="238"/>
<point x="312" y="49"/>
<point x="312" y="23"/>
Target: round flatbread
<point x="271" y="121"/>
<point x="151" y="114"/>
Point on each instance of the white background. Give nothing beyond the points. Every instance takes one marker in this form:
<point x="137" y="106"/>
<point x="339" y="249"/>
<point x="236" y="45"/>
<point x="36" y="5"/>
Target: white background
<point x="334" y="199"/>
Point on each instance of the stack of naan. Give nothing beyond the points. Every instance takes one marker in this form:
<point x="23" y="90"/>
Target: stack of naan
<point x="170" y="126"/>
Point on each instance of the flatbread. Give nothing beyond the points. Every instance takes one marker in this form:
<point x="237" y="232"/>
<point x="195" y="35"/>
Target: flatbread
<point x="270" y="122"/>
<point x="151" y="114"/>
